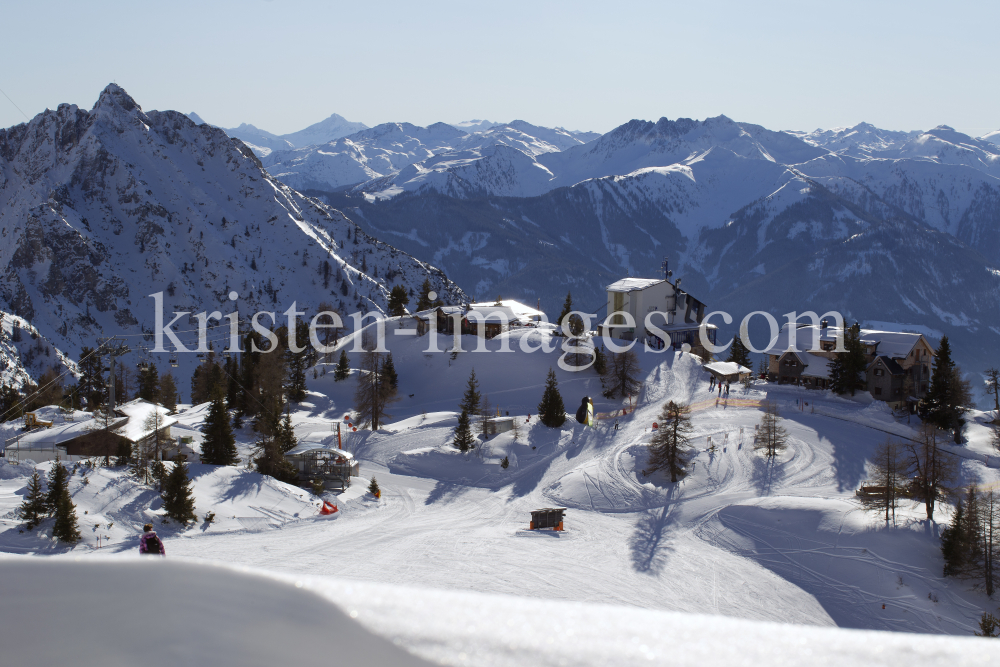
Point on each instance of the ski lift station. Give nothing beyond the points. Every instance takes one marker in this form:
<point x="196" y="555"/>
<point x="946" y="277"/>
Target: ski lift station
<point x="334" y="467"/>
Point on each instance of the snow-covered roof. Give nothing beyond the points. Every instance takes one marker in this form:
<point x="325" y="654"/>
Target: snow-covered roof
<point x="306" y="447"/>
<point x="631" y="284"/>
<point x="512" y="310"/>
<point x="726" y="368"/>
<point x="138" y="411"/>
<point x="889" y="363"/>
<point x="60" y="432"/>
<point x="895" y="344"/>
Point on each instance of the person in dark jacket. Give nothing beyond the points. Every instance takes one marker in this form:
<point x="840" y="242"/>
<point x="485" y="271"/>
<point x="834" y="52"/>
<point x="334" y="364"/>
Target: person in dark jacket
<point x="149" y="543"/>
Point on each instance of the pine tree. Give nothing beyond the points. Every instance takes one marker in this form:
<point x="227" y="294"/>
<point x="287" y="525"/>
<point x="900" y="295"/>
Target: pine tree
<point x="286" y="434"/>
<point x="600" y="360"/>
<point x="772" y="437"/>
<point x="158" y="471"/>
<point x="218" y="446"/>
<point x="992" y="388"/>
<point x="425" y="302"/>
<point x="847" y="366"/>
<point x="178" y="500"/>
<point x="551" y="410"/>
<point x="622" y="377"/>
<point x="669" y="446"/>
<point x="373" y="488"/>
<point x="149" y="384"/>
<point x="953" y="542"/>
<point x="463" y="433"/>
<point x="91" y="381"/>
<point x="33" y="508"/>
<point x="471" y="398"/>
<point x="295" y="387"/>
<point x="398" y="299"/>
<point x="566" y="310"/>
<point x="65" y="528"/>
<point x="933" y="469"/>
<point x="373" y="393"/>
<point x="389" y="372"/>
<point x="343" y="369"/>
<point x="989" y="625"/>
<point x="268" y="455"/>
<point x="57" y="482"/>
<point x="739" y="353"/>
<point x="888" y="472"/>
<point x="937" y="407"/>
<point x="168" y="392"/>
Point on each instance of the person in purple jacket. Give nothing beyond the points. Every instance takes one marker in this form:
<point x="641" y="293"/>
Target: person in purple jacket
<point x="149" y="543"/>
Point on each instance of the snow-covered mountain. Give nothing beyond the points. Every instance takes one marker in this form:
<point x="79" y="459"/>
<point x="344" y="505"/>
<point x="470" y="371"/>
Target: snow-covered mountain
<point x="475" y="125"/>
<point x="896" y="227"/>
<point x="398" y="157"/>
<point x="992" y="137"/>
<point x="263" y="142"/>
<point x="102" y="208"/>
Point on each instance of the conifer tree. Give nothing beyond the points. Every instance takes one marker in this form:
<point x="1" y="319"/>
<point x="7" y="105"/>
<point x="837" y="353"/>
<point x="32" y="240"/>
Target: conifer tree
<point x="739" y="353"/>
<point x="268" y="455"/>
<point x="989" y="625"/>
<point x="373" y="488"/>
<point x="772" y="437"/>
<point x="398" y="299"/>
<point x="847" y="366"/>
<point x="168" y="392"/>
<point x="566" y="309"/>
<point x="463" y="433"/>
<point x="669" y="446"/>
<point x="286" y="434"/>
<point x="992" y="388"/>
<point x="65" y="528"/>
<point x="953" y="542"/>
<point x="888" y="472"/>
<point x="343" y="369"/>
<point x="551" y="410"/>
<point x="178" y="500"/>
<point x="622" y="377"/>
<point x="389" y="371"/>
<point x="149" y="384"/>
<point x="57" y="482"/>
<point x="933" y="469"/>
<point x="471" y="398"/>
<point x="424" y="302"/>
<point x="218" y="446"/>
<point x="947" y="397"/>
<point x="600" y="361"/>
<point x="373" y="393"/>
<point x="33" y="509"/>
<point x="91" y="382"/>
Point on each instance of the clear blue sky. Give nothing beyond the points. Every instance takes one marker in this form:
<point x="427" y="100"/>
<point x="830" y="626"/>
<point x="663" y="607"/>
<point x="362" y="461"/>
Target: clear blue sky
<point x="583" y="65"/>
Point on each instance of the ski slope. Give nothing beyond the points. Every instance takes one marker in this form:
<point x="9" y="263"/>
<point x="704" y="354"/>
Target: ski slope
<point x="780" y="542"/>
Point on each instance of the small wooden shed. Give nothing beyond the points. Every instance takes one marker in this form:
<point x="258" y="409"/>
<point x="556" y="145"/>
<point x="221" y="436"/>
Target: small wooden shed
<point x="547" y="517"/>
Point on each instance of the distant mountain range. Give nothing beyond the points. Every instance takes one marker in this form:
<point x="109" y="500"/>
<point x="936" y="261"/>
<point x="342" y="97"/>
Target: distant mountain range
<point x="104" y="206"/>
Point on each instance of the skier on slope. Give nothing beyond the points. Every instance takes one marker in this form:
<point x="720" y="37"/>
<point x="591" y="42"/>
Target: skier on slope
<point x="149" y="543"/>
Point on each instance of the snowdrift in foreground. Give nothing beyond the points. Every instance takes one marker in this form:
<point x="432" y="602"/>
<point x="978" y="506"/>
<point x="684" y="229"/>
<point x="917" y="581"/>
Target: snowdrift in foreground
<point x="162" y="612"/>
<point x="168" y="612"/>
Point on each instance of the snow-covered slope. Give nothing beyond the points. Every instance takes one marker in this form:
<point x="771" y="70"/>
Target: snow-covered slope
<point x="102" y="208"/>
<point x="771" y="545"/>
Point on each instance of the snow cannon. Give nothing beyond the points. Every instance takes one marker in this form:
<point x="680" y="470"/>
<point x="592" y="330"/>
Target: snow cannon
<point x="655" y="426"/>
<point x="328" y="508"/>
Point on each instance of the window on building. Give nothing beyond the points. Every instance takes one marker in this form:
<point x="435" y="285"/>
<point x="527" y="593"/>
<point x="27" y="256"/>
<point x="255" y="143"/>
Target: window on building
<point x="879" y="372"/>
<point x="877" y="391"/>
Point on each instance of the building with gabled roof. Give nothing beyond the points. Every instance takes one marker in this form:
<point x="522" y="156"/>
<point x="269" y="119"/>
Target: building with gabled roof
<point x="899" y="362"/>
<point x="680" y="319"/>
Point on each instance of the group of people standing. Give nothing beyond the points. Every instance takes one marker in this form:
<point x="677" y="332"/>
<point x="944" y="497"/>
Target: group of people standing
<point x="716" y="386"/>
